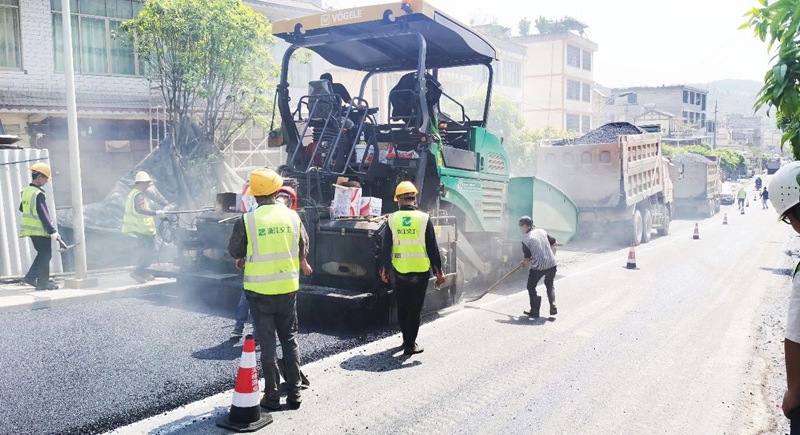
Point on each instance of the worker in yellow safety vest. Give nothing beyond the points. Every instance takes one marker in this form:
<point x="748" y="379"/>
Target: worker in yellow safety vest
<point x="741" y="195"/>
<point x="271" y="244"/>
<point x="37" y="225"/>
<point x="409" y="251"/>
<point x="139" y="221"/>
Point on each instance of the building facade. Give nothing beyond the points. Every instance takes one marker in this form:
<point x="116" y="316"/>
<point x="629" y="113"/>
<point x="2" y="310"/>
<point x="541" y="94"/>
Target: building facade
<point x="688" y="104"/>
<point x="558" y="81"/>
<point x="746" y="129"/>
<point x="118" y="109"/>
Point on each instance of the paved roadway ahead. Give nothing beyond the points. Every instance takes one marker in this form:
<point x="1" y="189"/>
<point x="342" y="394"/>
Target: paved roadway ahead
<point x="89" y="367"/>
<point x="668" y="348"/>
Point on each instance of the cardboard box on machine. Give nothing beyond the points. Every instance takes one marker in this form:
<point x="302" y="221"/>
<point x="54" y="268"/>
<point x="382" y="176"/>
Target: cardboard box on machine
<point x="346" y="198"/>
<point x="371" y="206"/>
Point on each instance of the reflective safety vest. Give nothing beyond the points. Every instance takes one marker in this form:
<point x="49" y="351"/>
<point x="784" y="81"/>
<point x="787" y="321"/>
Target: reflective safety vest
<point x="134" y="222"/>
<point x="408" y="241"/>
<point x="742" y="194"/>
<point x="272" y="265"/>
<point x="31" y="225"/>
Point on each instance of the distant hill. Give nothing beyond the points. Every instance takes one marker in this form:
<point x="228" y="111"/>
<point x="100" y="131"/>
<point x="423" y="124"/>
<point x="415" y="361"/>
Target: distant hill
<point x="734" y="97"/>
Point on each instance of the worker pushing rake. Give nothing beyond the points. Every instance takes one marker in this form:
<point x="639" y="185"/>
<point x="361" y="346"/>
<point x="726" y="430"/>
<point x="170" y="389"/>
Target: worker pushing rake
<point x="538" y="248"/>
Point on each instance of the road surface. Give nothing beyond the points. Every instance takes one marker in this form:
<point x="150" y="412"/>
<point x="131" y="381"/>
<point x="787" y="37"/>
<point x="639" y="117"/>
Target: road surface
<point x="687" y="344"/>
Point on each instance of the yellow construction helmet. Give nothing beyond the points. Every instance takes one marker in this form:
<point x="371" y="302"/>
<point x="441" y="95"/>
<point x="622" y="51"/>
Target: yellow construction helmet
<point x="42" y="168"/>
<point x="264" y="182"/>
<point x="143" y="177"/>
<point x="404" y="188"/>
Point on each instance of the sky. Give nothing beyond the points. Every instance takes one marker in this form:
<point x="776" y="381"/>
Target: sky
<point x="641" y="42"/>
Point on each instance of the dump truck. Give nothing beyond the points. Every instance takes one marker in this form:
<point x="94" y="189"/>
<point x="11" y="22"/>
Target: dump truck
<point x="773" y="164"/>
<point x="617" y="176"/>
<point x="697" y="184"/>
<point x="338" y="151"/>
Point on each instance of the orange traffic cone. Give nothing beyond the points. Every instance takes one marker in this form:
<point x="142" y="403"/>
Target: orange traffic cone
<point x="631" y="258"/>
<point x="696" y="234"/>
<point x="747" y="204"/>
<point x="245" y="414"/>
<point x="725" y="219"/>
<point x="742" y="210"/>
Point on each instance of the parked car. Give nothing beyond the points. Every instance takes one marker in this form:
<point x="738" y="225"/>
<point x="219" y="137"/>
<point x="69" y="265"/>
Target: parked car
<point x="729" y="191"/>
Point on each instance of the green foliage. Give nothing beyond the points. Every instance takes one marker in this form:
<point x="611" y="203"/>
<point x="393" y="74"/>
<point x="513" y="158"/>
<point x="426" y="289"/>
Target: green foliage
<point x="669" y="151"/>
<point x="777" y="23"/>
<point x="211" y="61"/>
<point x="524" y="27"/>
<point x="731" y="162"/>
<point x="565" y="25"/>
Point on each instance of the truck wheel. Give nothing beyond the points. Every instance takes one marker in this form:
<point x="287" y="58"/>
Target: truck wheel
<point x="647" y="230"/>
<point x="636" y="228"/>
<point x="664" y="230"/>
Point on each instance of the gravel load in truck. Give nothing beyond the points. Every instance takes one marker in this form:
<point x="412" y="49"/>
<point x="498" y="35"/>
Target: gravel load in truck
<point x="607" y="133"/>
<point x="690" y="158"/>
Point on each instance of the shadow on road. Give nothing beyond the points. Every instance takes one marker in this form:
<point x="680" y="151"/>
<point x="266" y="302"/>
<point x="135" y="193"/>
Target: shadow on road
<point x="515" y="320"/>
<point x="225" y="351"/>
<point x="185" y="425"/>
<point x="525" y="320"/>
<point x="778" y="271"/>
<point x="379" y="362"/>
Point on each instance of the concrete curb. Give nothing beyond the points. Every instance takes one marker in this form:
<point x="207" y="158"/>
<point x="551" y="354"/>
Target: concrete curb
<point x="41" y="302"/>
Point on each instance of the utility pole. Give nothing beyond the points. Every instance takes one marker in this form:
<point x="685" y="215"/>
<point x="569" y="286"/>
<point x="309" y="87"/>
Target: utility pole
<point x="714" y="138"/>
<point x="79" y="237"/>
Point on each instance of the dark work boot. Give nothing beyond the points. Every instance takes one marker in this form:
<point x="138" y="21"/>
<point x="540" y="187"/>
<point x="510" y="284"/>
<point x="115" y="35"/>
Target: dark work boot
<point x="534" y="312"/>
<point x="553" y="310"/>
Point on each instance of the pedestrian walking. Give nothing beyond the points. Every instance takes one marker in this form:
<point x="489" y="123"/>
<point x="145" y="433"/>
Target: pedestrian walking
<point x="138" y="220"/>
<point x="764" y="198"/>
<point x="537" y="248"/>
<point x="37" y="225"/>
<point x="742" y="195"/>
<point x="786" y="202"/>
<point x="409" y="251"/>
<point x="270" y="243"/>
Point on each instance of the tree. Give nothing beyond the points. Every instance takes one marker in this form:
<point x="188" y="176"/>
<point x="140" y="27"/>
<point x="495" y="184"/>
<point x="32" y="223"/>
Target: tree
<point x="565" y="25"/>
<point x="731" y="163"/>
<point x="524" y="27"/>
<point x="210" y="60"/>
<point x="777" y="23"/>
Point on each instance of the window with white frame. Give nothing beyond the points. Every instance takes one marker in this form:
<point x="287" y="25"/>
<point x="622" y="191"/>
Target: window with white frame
<point x="587" y="60"/>
<point x="10" y="52"/>
<point x="573" y="90"/>
<point x="512" y="74"/>
<point x="586" y="123"/>
<point x="573" y="56"/>
<point x="586" y="92"/>
<point x="98" y="46"/>
<point x="573" y="122"/>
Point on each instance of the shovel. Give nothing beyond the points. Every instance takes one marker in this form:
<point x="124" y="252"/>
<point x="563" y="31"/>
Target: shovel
<point x="519" y="266"/>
